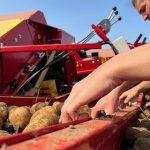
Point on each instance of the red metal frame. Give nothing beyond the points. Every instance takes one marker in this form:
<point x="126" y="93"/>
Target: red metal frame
<point x="48" y="36"/>
<point x="70" y="64"/>
<point x="22" y="75"/>
<point x="93" y="134"/>
<point x="21" y="137"/>
<point x="82" y="134"/>
<point x="76" y="66"/>
<point x="85" y="133"/>
<point x="100" y="32"/>
<point x="137" y="43"/>
<point x="50" y="47"/>
<point x="40" y="33"/>
<point x="28" y="101"/>
<point x="31" y="31"/>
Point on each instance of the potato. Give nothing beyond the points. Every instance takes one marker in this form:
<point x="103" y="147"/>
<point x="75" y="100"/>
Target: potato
<point x="85" y="110"/>
<point x="11" y="108"/>
<point x="83" y="115"/>
<point x="48" y="109"/>
<point x="4" y="133"/>
<point x="7" y="126"/>
<point x="42" y="120"/>
<point x="142" y="116"/>
<point x="1" y="122"/>
<point x="133" y="133"/>
<point x="20" y="117"/>
<point x="58" y="106"/>
<point x="38" y="106"/>
<point x="45" y="114"/>
<point x="143" y="123"/>
<point x="147" y="97"/>
<point x="3" y="103"/>
<point x="147" y="112"/>
<point x="3" y="110"/>
<point x="147" y="105"/>
<point x="142" y="144"/>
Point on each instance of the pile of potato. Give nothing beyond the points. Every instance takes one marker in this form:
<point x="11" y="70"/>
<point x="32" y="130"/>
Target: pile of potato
<point x="14" y="119"/>
<point x="138" y="137"/>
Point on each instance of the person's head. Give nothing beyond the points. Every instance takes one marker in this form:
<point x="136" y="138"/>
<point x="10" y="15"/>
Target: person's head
<point x="143" y="7"/>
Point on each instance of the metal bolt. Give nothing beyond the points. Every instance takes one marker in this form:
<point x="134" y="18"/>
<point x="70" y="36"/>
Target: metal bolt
<point x="81" y="65"/>
<point x="20" y="36"/>
<point x="16" y="39"/>
<point x="65" y="85"/>
<point x="1" y="44"/>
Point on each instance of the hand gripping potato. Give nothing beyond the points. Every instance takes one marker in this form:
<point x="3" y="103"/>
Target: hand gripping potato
<point x="85" y="110"/>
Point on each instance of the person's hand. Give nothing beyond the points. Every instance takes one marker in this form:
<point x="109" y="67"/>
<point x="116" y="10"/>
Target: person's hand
<point x="97" y="84"/>
<point x="91" y="88"/>
<point x="78" y="97"/>
<point x="108" y="104"/>
<point x="68" y="111"/>
<point x="127" y="96"/>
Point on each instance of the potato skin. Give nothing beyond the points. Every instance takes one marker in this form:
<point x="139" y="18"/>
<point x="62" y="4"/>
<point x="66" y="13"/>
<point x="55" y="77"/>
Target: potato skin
<point x="1" y="122"/>
<point x="3" y="110"/>
<point x="4" y="133"/>
<point x="3" y="103"/>
<point x="10" y="108"/>
<point x="38" y="106"/>
<point x="85" y="110"/>
<point x="133" y="133"/>
<point x="7" y="126"/>
<point x="20" y="117"/>
<point x="58" y="106"/>
<point x="48" y="109"/>
<point x="42" y="120"/>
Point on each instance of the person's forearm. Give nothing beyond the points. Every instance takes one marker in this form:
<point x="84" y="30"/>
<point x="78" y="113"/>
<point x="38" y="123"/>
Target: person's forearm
<point x="123" y="67"/>
<point x="132" y="65"/>
<point x="129" y="66"/>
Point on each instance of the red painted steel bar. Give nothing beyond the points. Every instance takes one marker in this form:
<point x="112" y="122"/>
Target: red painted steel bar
<point x="100" y="31"/>
<point x="30" y="100"/>
<point x="48" y="47"/>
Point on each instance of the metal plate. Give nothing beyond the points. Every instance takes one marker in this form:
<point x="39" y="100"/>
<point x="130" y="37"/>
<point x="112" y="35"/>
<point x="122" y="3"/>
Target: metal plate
<point x="106" y="25"/>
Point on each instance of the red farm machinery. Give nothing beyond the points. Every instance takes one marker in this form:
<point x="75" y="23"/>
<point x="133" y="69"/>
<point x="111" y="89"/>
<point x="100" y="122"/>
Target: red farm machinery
<point x="39" y="62"/>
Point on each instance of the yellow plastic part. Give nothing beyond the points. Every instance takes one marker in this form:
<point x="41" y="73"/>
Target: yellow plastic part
<point x="7" y="25"/>
<point x="103" y="59"/>
<point x="49" y="87"/>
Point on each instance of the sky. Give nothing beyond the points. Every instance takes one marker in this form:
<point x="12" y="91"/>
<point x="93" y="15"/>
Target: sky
<point x="77" y="16"/>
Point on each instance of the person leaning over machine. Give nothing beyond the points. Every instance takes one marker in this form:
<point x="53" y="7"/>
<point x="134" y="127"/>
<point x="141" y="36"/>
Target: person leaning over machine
<point x="112" y="78"/>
